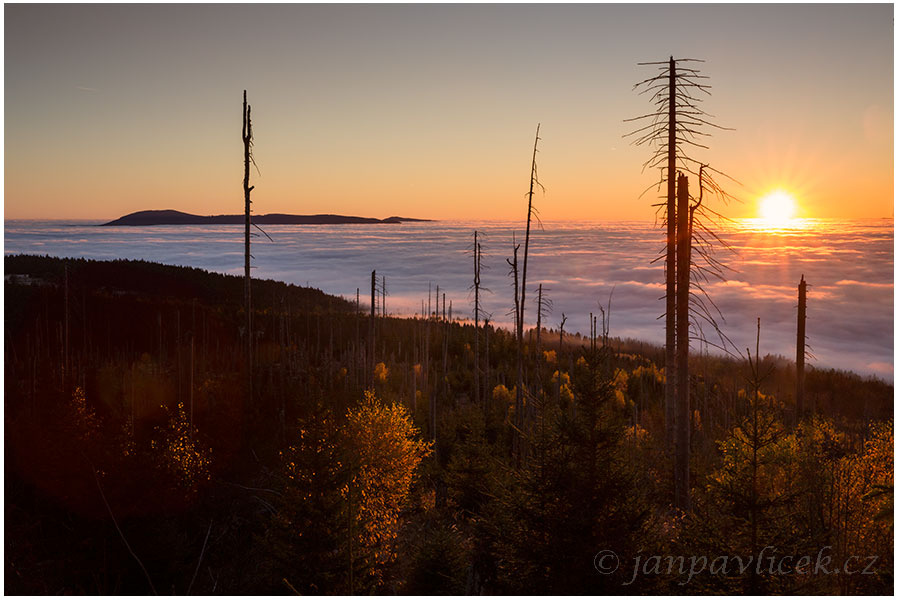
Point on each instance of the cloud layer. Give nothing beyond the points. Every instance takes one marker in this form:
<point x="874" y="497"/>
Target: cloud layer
<point x="848" y="266"/>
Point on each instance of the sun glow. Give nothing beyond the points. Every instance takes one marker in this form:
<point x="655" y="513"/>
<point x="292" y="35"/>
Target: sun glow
<point x="776" y="208"/>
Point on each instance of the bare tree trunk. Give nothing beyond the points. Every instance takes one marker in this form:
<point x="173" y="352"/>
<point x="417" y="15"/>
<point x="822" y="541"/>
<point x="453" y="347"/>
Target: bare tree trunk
<point x="192" y="341"/>
<point x="178" y="348"/>
<point x="684" y="413"/>
<point x="66" y="379"/>
<point x="595" y="333"/>
<point x="671" y="262"/>
<point x="675" y="88"/>
<point x="799" y="350"/>
<point x="476" y="320"/>
<point x="519" y="388"/>
<point x="558" y="361"/>
<point x="527" y="240"/>
<point x="486" y="366"/>
<point x="538" y="362"/>
<point x="592" y="332"/>
<point x="247" y="294"/>
<point x="539" y="322"/>
<point x="371" y="326"/>
<point x="755" y="444"/>
<point x="523" y="288"/>
<point x="561" y="336"/>
<point x="445" y="378"/>
<point x="427" y="386"/>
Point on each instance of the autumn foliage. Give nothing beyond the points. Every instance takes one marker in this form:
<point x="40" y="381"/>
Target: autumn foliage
<point x="323" y="486"/>
<point x="347" y="483"/>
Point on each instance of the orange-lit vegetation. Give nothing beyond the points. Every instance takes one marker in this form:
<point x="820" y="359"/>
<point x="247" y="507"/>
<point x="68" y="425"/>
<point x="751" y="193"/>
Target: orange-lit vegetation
<point x="346" y="481"/>
<point x="325" y="484"/>
<point x="180" y="452"/>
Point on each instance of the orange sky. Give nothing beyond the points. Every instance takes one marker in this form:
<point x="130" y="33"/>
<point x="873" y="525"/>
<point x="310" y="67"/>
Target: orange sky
<point x="430" y="111"/>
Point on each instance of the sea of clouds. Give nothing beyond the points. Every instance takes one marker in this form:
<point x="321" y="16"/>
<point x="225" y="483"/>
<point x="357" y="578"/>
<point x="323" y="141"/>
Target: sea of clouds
<point x="848" y="266"/>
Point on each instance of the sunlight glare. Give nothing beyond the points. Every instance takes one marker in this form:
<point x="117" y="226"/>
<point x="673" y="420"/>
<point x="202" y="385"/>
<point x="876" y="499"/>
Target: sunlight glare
<point x="777" y="208"/>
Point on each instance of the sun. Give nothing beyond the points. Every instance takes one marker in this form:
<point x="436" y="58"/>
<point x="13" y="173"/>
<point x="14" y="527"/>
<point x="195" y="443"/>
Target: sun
<point x="777" y="208"/>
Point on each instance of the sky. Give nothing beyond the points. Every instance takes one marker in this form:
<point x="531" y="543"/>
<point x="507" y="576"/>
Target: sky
<point x="430" y="110"/>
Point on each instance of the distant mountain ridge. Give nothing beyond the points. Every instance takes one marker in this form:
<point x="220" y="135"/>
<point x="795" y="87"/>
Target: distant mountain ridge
<point x="176" y="217"/>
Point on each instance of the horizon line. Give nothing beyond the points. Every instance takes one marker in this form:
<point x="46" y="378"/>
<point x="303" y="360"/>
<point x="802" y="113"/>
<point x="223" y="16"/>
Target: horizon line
<point x="451" y="219"/>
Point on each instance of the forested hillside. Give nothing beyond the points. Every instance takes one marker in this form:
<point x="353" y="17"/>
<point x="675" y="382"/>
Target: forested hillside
<point x="364" y="461"/>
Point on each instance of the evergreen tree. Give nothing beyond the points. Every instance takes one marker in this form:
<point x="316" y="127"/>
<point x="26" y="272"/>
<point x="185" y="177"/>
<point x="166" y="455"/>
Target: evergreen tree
<point x="575" y="496"/>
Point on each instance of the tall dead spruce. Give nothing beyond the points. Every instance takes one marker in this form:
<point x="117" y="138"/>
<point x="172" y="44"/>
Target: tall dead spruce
<point x="513" y="271"/>
<point x="519" y="395"/>
<point x="371" y="327"/>
<point x="480" y="366"/>
<point x="674" y="130"/>
<point x="476" y="287"/>
<point x="247" y="292"/>
<point x="800" y="352"/>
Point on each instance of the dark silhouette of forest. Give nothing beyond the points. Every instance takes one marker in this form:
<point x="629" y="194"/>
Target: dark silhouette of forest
<point x="136" y="463"/>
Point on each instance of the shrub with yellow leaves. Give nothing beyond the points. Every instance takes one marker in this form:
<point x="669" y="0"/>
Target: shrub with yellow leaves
<point x="82" y="419"/>
<point x="345" y="485"/>
<point x="181" y="453"/>
<point x="620" y="387"/>
<point x="565" y="393"/>
<point x="648" y="372"/>
<point x="636" y="433"/>
<point x="503" y="395"/>
<point x="383" y="454"/>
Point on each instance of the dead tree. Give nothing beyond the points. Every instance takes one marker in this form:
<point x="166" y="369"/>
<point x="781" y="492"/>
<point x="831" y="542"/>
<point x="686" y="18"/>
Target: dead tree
<point x="534" y="180"/>
<point x="543" y="309"/>
<point x="561" y="335"/>
<point x="67" y="374"/>
<point x="558" y="361"/>
<point x="247" y="292"/>
<point x="673" y="131"/>
<point x="358" y="337"/>
<point x="371" y="325"/>
<point x="476" y="319"/>
<point x="800" y="348"/>
<point x="683" y="412"/>
<point x="522" y="290"/>
<point x="446" y="330"/>
<point x="519" y="397"/>
<point x="657" y="131"/>
<point x="486" y="366"/>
